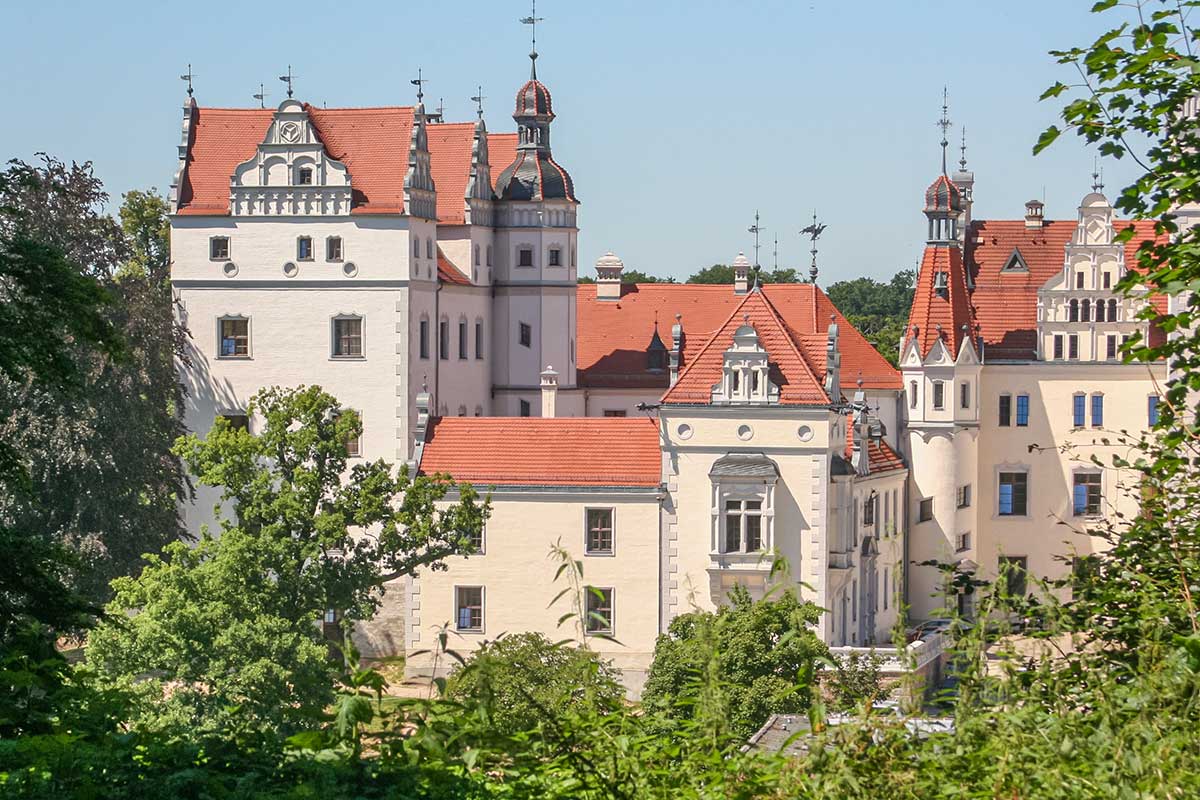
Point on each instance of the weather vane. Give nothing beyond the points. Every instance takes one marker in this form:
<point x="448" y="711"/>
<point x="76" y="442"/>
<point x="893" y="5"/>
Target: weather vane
<point x="1097" y="176"/>
<point x="944" y="124"/>
<point x="261" y="97"/>
<point x="775" y="254"/>
<point x="187" y="76"/>
<point x="288" y="80"/>
<point x="532" y="20"/>
<point x="813" y="232"/>
<point x="756" y="230"/>
<point x="419" y="82"/>
<point x="962" y="161"/>
<point x="478" y="99"/>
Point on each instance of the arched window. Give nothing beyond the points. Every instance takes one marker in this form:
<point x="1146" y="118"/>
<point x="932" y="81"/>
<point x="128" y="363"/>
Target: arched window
<point x="1099" y="311"/>
<point x="489" y="256"/>
<point x="416" y="248"/>
<point x="1112" y="310"/>
<point x="428" y="248"/>
<point x="1086" y="315"/>
<point x="477" y="255"/>
<point x="1073" y="311"/>
<point x="912" y="394"/>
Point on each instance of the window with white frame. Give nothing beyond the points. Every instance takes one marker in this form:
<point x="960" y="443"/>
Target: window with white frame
<point x="599" y="607"/>
<point x="347" y="337"/>
<point x="912" y="394"/>
<point x="743" y="526"/>
<point x="964" y="394"/>
<point x="925" y="509"/>
<point x="599" y="531"/>
<point x="477" y="539"/>
<point x="868" y="512"/>
<point x="468" y="608"/>
<point x="525" y="257"/>
<point x="1085" y="494"/>
<point x="964" y="496"/>
<point x="462" y="339"/>
<point x="304" y="176"/>
<point x="939" y="395"/>
<point x="1005" y="415"/>
<point x="964" y="542"/>
<point x="234" y="334"/>
<point x="555" y="257"/>
<point x="353" y="443"/>
<point x="304" y="248"/>
<point x="218" y="248"/>
<point x="333" y="248"/>
<point x="428" y="248"/>
<point x="1013" y="494"/>
<point x="444" y="340"/>
<point x="478" y="339"/>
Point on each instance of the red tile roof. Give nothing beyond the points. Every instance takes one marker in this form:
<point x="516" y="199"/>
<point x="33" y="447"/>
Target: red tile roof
<point x="934" y="316"/>
<point x="372" y="142"/>
<point x="448" y="273"/>
<point x="1006" y="302"/>
<point x="798" y="383"/>
<point x="612" y="336"/>
<point x="537" y="451"/>
<point x="882" y="458"/>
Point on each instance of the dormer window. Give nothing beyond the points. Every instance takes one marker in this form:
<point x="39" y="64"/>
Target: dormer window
<point x="941" y="284"/>
<point x="735" y="386"/>
<point x="304" y="176"/>
<point x="656" y="360"/>
<point x="745" y="377"/>
<point x="1016" y="263"/>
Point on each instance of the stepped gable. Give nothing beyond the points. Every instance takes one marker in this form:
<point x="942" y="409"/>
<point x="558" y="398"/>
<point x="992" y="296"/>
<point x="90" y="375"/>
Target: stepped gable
<point x="612" y="337"/>
<point x="1005" y="301"/>
<point x="797" y="382"/>
<point x="552" y="451"/>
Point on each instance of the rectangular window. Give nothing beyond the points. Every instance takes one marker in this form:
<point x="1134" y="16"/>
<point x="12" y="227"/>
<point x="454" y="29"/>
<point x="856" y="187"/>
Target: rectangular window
<point x="912" y="394"/>
<point x="964" y="542"/>
<point x="964" y="496"/>
<point x="1015" y="570"/>
<point x="1058" y="346"/>
<point x="235" y="338"/>
<point x="525" y="257"/>
<point x="1085" y="494"/>
<point x="599" y="531"/>
<point x="237" y="422"/>
<point x="218" y="248"/>
<point x="1022" y="411"/>
<point x="1073" y="346"/>
<point x="333" y="248"/>
<point x="614" y="412"/>
<point x="468" y="608"/>
<point x="1078" y="407"/>
<point x="304" y="250"/>
<point x="925" y="510"/>
<point x="1005" y="410"/>
<point x="347" y="337"/>
<point x="305" y="176"/>
<point x="555" y="257"/>
<point x="525" y="408"/>
<point x="1111" y="350"/>
<point x="525" y="334"/>
<point x="1078" y="280"/>
<point x="424" y="328"/>
<point x="1108" y="280"/>
<point x="1152" y="410"/>
<point x="354" y="445"/>
<point x="868" y="515"/>
<point x="444" y="340"/>
<point x="479" y="340"/>
<point x="964" y="394"/>
<point x="884" y="588"/>
<point x="462" y="339"/>
<point x="743" y="526"/>
<point x="939" y="398"/>
<point x="1014" y="494"/>
<point x="1097" y="410"/>
<point x="599" y="610"/>
<point x="478" y="539"/>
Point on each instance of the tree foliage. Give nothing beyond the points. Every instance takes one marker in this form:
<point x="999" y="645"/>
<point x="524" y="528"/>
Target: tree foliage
<point x="878" y="310"/>
<point x="763" y="654"/>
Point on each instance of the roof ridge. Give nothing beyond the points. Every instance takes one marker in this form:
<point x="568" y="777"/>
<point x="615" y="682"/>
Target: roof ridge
<point x="792" y="342"/>
<point x="704" y="348"/>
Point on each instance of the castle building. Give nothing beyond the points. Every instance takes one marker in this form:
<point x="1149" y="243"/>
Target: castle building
<point x="678" y="440"/>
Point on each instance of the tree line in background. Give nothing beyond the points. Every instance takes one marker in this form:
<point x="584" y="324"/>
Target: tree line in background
<point x="206" y="673"/>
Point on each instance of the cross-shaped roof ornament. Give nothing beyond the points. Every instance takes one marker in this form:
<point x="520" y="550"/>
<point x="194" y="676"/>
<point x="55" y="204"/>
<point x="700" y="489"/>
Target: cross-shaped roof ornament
<point x="532" y="20"/>
<point x="419" y="82"/>
<point x="288" y="79"/>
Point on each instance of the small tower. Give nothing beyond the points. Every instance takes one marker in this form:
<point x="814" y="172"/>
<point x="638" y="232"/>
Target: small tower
<point x="608" y="276"/>
<point x="741" y="274"/>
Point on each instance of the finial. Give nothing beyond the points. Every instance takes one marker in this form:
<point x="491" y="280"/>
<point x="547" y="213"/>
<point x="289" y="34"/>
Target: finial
<point x="187" y="76"/>
<point x="813" y="232"/>
<point x="288" y="79"/>
<point x="944" y="124"/>
<point x="478" y="99"/>
<point x="441" y="109"/>
<point x="859" y="382"/>
<point x="261" y="97"/>
<point x="775" y="254"/>
<point x="1097" y="176"/>
<point x="419" y="82"/>
<point x="746" y="318"/>
<point x="532" y="20"/>
<point x="962" y="161"/>
<point x="755" y="229"/>
<point x="678" y="317"/>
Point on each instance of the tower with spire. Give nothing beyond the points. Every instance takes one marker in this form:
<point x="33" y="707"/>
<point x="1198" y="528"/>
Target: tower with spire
<point x="536" y="255"/>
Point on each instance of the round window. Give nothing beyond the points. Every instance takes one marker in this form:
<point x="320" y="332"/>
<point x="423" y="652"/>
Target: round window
<point x="230" y="269"/>
<point x="290" y="269"/>
<point x="805" y="433"/>
<point x="745" y="432"/>
<point x="684" y="431"/>
<point x="349" y="269"/>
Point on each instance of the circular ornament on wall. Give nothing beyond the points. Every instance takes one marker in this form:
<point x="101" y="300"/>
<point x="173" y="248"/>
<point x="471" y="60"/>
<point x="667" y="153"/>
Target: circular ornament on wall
<point x="684" y="431"/>
<point x="805" y="433"/>
<point x="349" y="269"/>
<point x="289" y="132"/>
<point x="230" y="269"/>
<point x="745" y="432"/>
<point x="291" y="270"/>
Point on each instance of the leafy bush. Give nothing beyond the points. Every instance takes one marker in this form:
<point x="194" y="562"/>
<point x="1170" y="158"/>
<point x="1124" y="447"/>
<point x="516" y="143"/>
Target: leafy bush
<point x="524" y="680"/>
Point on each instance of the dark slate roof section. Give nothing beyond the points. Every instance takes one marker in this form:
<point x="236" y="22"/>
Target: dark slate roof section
<point x="744" y="465"/>
<point x="534" y="175"/>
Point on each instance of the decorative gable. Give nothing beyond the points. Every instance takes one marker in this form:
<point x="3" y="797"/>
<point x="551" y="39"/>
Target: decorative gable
<point x="290" y="174"/>
<point x="745" y="375"/>
<point x="420" y="196"/>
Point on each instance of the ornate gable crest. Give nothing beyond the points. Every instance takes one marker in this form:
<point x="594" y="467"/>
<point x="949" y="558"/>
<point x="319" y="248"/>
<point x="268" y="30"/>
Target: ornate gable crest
<point x="745" y="376"/>
<point x="420" y="195"/>
<point x="291" y="174"/>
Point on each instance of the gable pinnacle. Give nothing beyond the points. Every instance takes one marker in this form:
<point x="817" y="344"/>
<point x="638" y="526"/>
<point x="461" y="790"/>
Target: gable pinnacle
<point x="532" y="20"/>
<point x="288" y="79"/>
<point x="944" y="124"/>
<point x="187" y="76"/>
<point x="962" y="161"/>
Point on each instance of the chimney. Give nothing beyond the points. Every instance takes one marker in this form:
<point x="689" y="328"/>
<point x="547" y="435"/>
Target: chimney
<point x="608" y="277"/>
<point x="1034" y="210"/>
<point x="676" y="347"/>
<point x="549" y="391"/>
<point x="741" y="274"/>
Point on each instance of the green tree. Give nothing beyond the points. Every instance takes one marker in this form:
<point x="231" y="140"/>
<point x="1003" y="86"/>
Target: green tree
<point x="233" y="622"/>
<point x="632" y="276"/>
<point x="717" y="273"/>
<point x="879" y="311"/>
<point x="764" y="655"/>
<point x="524" y="680"/>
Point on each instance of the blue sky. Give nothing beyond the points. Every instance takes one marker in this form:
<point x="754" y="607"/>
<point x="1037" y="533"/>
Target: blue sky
<point x="676" y="119"/>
